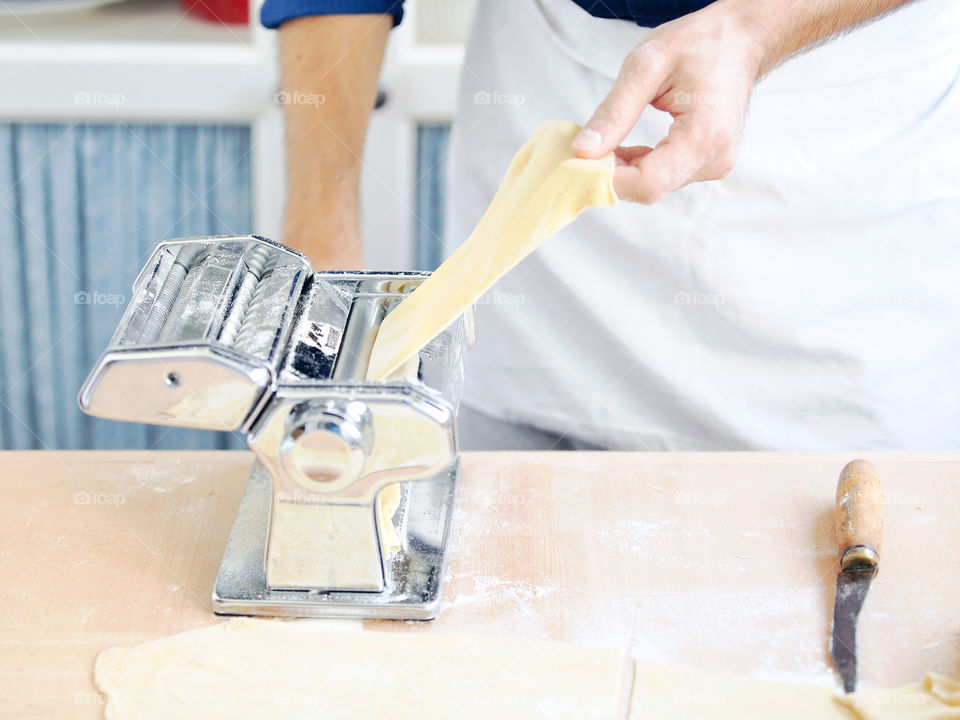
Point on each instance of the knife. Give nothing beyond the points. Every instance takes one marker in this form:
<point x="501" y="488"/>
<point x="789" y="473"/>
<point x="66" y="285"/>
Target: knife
<point x="859" y="530"/>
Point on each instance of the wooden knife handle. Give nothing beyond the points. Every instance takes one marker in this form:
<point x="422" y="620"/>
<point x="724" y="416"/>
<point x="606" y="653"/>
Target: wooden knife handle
<point x="859" y="516"/>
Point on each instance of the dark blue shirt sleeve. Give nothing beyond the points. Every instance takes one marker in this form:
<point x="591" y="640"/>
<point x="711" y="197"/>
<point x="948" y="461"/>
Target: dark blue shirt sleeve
<point x="275" y="12"/>
<point x="647" y="13"/>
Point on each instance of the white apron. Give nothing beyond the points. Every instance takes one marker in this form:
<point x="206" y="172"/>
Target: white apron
<point x="810" y="300"/>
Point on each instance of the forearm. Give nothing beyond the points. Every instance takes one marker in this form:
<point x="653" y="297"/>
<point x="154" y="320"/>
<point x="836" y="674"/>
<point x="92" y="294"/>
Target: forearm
<point x="784" y="27"/>
<point x="330" y="68"/>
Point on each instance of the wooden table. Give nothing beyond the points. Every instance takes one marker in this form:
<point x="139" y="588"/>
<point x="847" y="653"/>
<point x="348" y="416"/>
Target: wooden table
<point x="722" y="561"/>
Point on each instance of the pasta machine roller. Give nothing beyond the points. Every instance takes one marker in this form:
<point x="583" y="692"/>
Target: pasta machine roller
<point x="348" y="507"/>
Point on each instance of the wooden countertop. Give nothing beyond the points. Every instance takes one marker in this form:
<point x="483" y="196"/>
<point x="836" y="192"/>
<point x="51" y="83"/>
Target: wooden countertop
<point x="721" y="561"/>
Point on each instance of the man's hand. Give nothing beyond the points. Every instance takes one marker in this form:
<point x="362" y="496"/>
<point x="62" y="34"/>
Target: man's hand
<point x="701" y="68"/>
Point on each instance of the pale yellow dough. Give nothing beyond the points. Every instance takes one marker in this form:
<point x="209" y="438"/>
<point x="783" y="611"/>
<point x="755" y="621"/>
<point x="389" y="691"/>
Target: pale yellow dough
<point x="387" y="503"/>
<point x="257" y="669"/>
<point x="545" y="188"/>
<point x="662" y="691"/>
<point x="254" y="669"/>
<point x="936" y="698"/>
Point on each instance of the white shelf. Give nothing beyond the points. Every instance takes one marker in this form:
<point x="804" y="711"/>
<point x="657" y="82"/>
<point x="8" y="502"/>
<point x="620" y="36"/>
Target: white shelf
<point x="140" y="59"/>
<point x="133" y="21"/>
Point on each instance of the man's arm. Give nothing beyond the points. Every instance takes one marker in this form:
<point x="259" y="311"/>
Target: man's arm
<point x="701" y="68"/>
<point x="330" y="66"/>
<point x="785" y="27"/>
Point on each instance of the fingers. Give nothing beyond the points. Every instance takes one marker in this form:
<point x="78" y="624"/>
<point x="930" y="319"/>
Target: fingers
<point x="637" y="85"/>
<point x="629" y="155"/>
<point x="706" y="98"/>
<point x="693" y="150"/>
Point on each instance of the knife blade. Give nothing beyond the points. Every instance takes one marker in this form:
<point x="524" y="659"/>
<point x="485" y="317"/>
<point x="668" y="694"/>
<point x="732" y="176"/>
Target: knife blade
<point x="859" y="525"/>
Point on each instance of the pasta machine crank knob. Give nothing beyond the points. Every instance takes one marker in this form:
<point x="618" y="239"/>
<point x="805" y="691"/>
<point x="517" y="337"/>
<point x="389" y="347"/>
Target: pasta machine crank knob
<point x="327" y="444"/>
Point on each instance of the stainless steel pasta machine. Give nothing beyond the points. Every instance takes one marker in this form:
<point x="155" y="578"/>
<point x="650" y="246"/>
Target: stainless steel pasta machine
<point x="347" y="511"/>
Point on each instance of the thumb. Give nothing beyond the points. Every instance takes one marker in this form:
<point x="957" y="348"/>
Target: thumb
<point x="636" y="86"/>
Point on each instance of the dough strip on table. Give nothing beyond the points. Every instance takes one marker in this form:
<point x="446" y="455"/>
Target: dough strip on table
<point x="254" y="669"/>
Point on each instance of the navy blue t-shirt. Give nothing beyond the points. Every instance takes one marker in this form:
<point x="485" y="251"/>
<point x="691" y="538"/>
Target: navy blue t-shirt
<point x="648" y="13"/>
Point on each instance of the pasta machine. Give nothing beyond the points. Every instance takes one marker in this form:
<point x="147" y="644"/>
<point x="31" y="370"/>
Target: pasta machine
<point x="348" y="508"/>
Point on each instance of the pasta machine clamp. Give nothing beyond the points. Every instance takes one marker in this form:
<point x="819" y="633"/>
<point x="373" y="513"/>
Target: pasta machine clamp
<point x="348" y="508"/>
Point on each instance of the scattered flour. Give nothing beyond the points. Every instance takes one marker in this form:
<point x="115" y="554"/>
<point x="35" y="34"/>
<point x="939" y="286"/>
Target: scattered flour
<point x="161" y="478"/>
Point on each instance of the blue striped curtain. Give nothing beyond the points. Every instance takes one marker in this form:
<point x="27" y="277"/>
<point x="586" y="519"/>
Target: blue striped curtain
<point x="431" y="180"/>
<point x="81" y="208"/>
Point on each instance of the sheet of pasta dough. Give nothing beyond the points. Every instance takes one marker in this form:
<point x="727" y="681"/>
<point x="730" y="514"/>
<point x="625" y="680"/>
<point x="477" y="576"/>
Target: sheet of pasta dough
<point x="663" y="691"/>
<point x="255" y="669"/>
<point x="545" y="188"/>
<point x="936" y="698"/>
